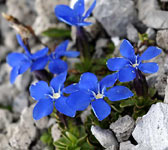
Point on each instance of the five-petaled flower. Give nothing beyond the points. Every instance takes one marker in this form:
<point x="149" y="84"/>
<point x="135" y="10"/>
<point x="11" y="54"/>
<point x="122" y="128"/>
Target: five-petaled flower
<point x="56" y="65"/>
<point x="48" y="96"/>
<point x="89" y="90"/>
<point x="21" y="62"/>
<point x="128" y="66"/>
<point x="74" y="16"/>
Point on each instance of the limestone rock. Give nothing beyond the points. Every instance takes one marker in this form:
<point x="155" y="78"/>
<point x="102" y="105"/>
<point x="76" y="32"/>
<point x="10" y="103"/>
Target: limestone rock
<point x="55" y="132"/>
<point x="162" y="39"/>
<point x="123" y="128"/>
<point x="152" y="131"/>
<point x="114" y="15"/>
<point x="126" y="146"/>
<point x="151" y="15"/>
<point x="132" y="33"/>
<point x="105" y="137"/>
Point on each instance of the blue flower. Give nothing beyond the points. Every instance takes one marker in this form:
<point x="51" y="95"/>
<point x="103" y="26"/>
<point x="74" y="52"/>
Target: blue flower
<point x="89" y="90"/>
<point x="21" y="62"/>
<point x="57" y="65"/>
<point x="75" y="16"/>
<point x="128" y="66"/>
<point x="48" y="96"/>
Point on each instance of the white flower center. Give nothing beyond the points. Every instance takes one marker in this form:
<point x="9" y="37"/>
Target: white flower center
<point x="56" y="95"/>
<point x="99" y="96"/>
<point x="134" y="65"/>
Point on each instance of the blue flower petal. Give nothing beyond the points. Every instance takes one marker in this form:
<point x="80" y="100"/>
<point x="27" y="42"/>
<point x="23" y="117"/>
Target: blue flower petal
<point x="14" y="73"/>
<point x="39" y="64"/>
<point x="88" y="81"/>
<point x="79" y="7"/>
<point x="71" y="88"/>
<point x="127" y="74"/>
<point x="14" y="59"/>
<point x="115" y="64"/>
<point x="71" y="54"/>
<point x="40" y="90"/>
<point x="19" y="39"/>
<point x="61" y="48"/>
<point x="44" y="107"/>
<point x="62" y="107"/>
<point x="149" y="67"/>
<point x="41" y="53"/>
<point x="101" y="109"/>
<point x="150" y="53"/>
<point x="89" y="11"/>
<point x="108" y="81"/>
<point x="118" y="93"/>
<point x="66" y="14"/>
<point x="58" y="66"/>
<point x="58" y="82"/>
<point x="79" y="101"/>
<point x="127" y="50"/>
<point x="24" y="66"/>
<point x="84" y="23"/>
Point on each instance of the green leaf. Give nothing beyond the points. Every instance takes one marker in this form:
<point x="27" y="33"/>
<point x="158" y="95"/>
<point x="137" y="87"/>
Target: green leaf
<point x="127" y="103"/>
<point x="57" y="33"/>
<point x="71" y="137"/>
<point x="81" y="140"/>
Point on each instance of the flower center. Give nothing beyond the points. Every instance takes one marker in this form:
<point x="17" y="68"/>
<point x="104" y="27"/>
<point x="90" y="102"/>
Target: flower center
<point x="99" y="96"/>
<point x="56" y="95"/>
<point x="134" y="65"/>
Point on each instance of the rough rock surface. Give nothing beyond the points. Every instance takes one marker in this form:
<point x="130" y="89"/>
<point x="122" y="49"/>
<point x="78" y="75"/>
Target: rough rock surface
<point x="151" y="15"/>
<point x="25" y="132"/>
<point x="123" y="128"/>
<point x="105" y="137"/>
<point x="126" y="146"/>
<point x="152" y="130"/>
<point x="55" y="132"/>
<point x="5" y="118"/>
<point x="4" y="145"/>
<point x="162" y="39"/>
<point x="151" y="33"/>
<point x="132" y="33"/>
<point x="42" y="123"/>
<point x="166" y="93"/>
<point x="115" y="15"/>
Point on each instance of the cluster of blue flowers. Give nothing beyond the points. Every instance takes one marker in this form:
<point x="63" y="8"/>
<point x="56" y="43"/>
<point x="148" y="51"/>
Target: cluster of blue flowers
<point x="88" y="90"/>
<point x="21" y="62"/>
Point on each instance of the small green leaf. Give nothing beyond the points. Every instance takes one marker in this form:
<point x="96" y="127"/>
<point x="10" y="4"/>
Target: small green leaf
<point x="57" y="33"/>
<point x="71" y="137"/>
<point x="127" y="103"/>
<point x="81" y="140"/>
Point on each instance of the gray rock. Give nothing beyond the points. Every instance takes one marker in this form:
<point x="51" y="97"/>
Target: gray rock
<point x="114" y="15"/>
<point x="162" y="39"/>
<point x="85" y="114"/>
<point x="20" y="102"/>
<point x="42" y="123"/>
<point x="4" y="145"/>
<point x="3" y="53"/>
<point x="152" y="130"/>
<point x="141" y="147"/>
<point x="10" y="41"/>
<point x="55" y="132"/>
<point x="126" y="145"/>
<point x="111" y="148"/>
<point x="6" y="118"/>
<point x="151" y="33"/>
<point x="46" y="17"/>
<point x="24" y="133"/>
<point x="22" y="10"/>
<point x="39" y="146"/>
<point x="123" y="128"/>
<point x="158" y="80"/>
<point x="101" y="44"/>
<point x="164" y="0"/>
<point x="151" y="15"/>
<point x="132" y="33"/>
<point x="104" y="136"/>
<point x="166" y="93"/>
<point x="23" y="81"/>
